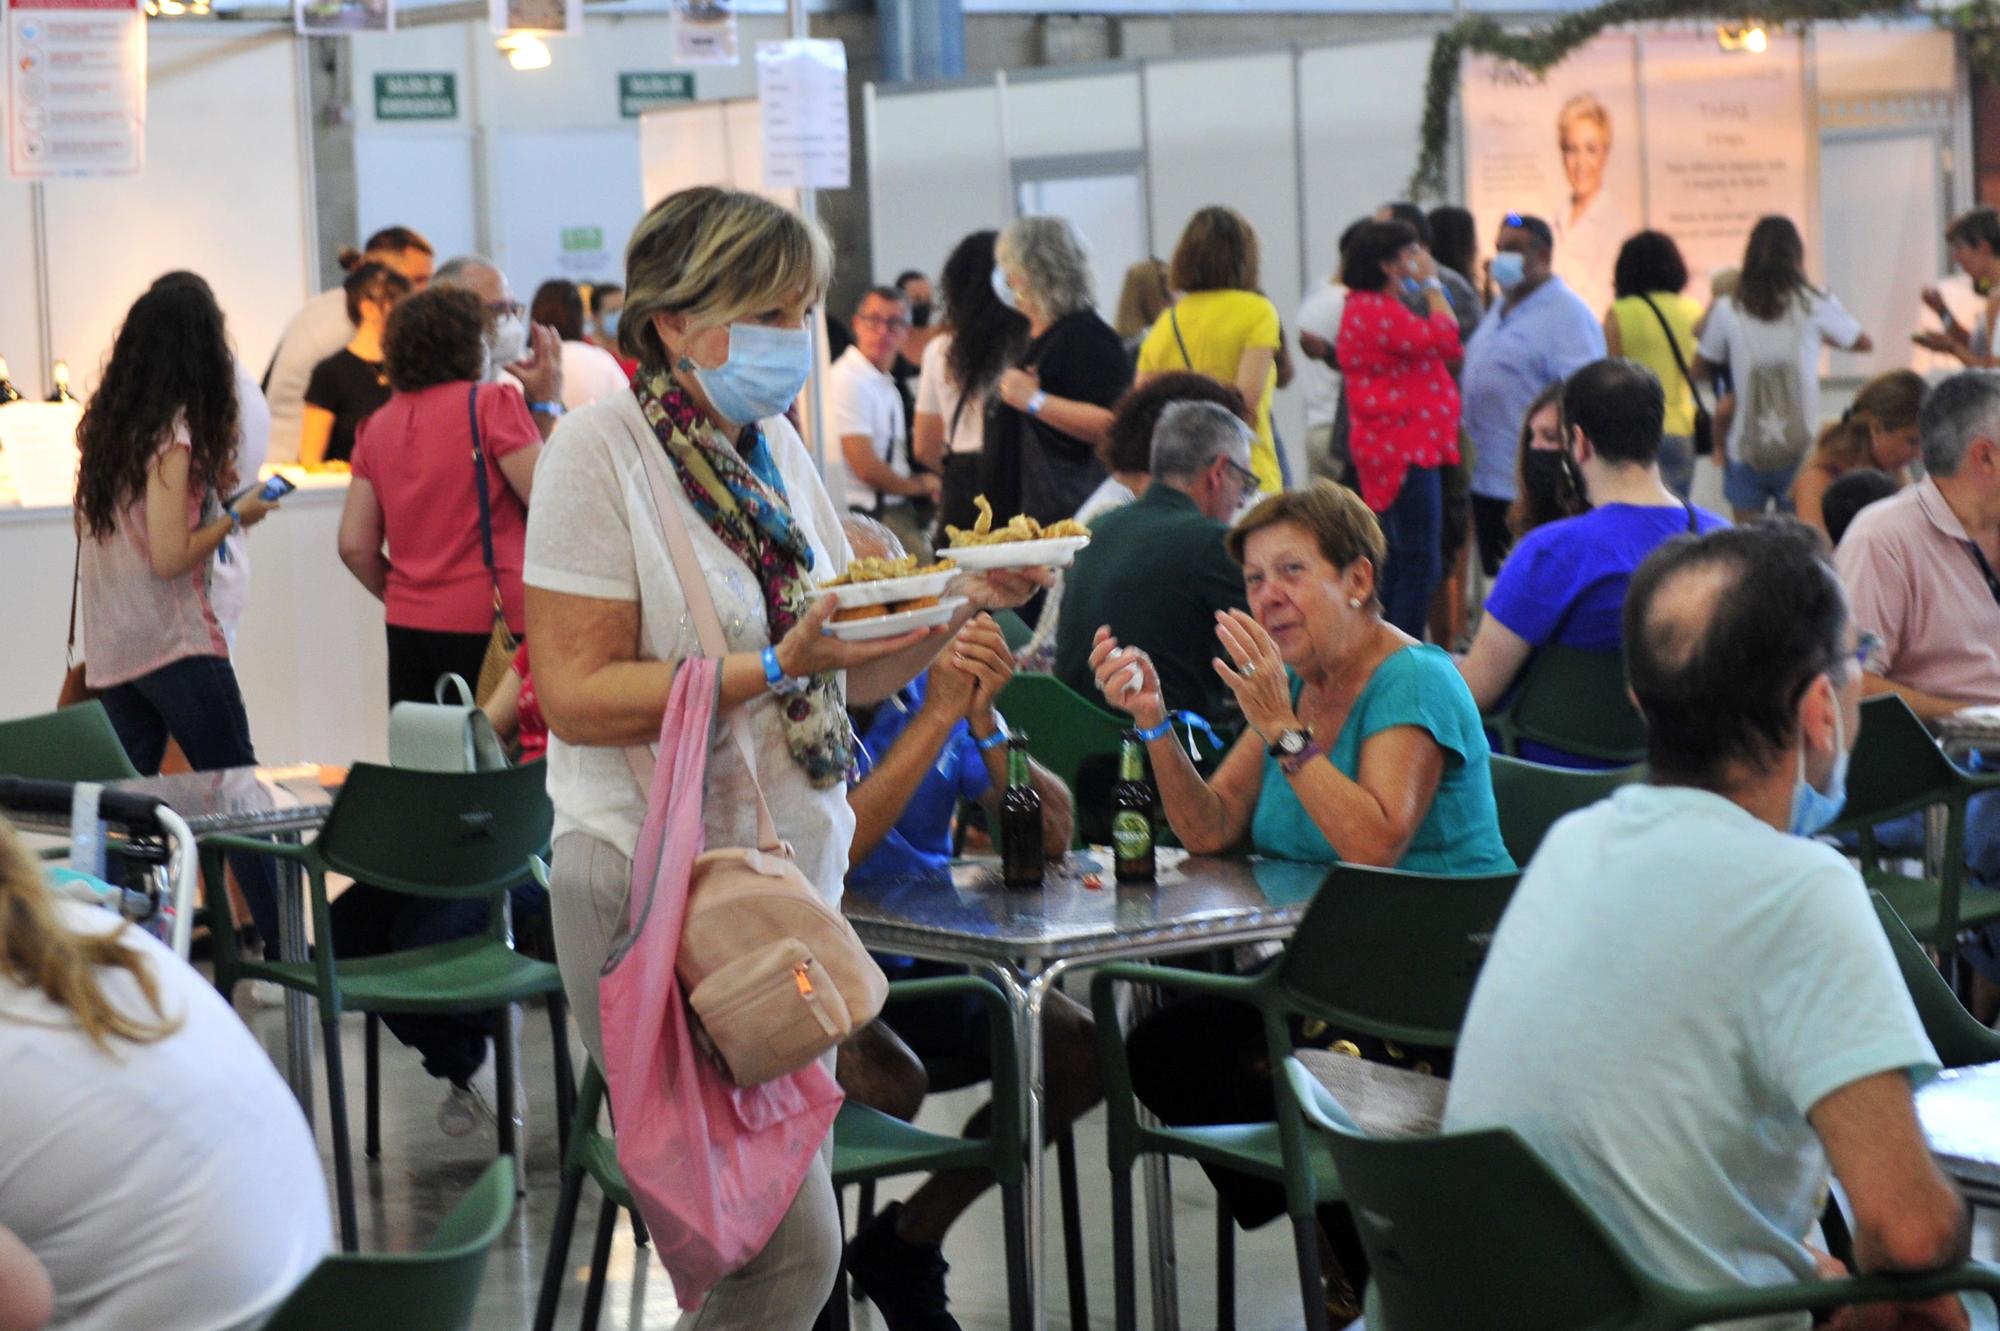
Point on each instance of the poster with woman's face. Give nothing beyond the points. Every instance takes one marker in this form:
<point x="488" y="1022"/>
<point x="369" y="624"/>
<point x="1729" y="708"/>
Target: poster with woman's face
<point x="1564" y="148"/>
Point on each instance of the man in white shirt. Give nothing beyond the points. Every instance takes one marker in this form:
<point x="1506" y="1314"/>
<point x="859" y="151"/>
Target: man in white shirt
<point x="865" y="412"/>
<point x="321" y="328"/>
<point x="1319" y="373"/>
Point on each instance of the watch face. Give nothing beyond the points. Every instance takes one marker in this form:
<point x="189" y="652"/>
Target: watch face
<point x="1292" y="743"/>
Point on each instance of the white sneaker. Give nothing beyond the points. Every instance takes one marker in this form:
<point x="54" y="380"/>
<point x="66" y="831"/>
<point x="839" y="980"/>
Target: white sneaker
<point x="468" y="1108"/>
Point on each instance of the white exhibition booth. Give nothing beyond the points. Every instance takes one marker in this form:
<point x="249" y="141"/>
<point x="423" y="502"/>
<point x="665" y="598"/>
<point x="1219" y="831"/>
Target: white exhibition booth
<point x="1301" y="140"/>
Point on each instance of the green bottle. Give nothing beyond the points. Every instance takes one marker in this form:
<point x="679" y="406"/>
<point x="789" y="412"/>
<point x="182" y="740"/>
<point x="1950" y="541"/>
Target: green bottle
<point x="1132" y="815"/>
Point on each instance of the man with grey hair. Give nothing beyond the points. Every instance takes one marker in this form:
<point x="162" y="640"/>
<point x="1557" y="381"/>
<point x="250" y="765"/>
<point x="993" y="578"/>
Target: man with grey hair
<point x="527" y="356"/>
<point x="1155" y="572"/>
<point x="1919" y="569"/>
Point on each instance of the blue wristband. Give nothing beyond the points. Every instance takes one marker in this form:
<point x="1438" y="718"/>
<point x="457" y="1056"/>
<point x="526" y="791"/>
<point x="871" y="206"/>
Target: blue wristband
<point x="1160" y="731"/>
<point x="774" y="675"/>
<point x="997" y="738"/>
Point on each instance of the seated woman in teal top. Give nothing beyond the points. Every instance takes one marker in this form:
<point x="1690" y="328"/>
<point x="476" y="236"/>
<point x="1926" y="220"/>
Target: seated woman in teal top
<point x="1364" y="745"/>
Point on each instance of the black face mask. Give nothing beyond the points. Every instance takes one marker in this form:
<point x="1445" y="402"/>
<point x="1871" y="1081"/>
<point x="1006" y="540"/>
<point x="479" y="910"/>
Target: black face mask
<point x="1551" y="477"/>
<point x="920" y="314"/>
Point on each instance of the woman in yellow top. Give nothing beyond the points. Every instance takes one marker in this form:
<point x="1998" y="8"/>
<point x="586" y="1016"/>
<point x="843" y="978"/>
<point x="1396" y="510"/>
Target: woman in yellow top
<point x="1878" y="430"/>
<point x="1651" y="276"/>
<point x="1222" y="326"/>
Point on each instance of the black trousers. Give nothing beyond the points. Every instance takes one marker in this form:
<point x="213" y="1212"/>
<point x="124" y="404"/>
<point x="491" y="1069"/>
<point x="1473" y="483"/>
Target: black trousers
<point x="1489" y="521"/>
<point x="417" y="657"/>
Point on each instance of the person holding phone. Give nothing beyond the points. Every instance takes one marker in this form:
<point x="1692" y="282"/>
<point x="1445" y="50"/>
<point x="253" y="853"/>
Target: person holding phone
<point x="156" y="445"/>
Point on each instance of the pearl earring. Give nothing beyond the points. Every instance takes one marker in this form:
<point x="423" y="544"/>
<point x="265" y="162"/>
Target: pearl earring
<point x="1353" y="603"/>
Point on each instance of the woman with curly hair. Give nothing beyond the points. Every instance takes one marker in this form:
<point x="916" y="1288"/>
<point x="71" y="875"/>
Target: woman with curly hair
<point x="152" y="509"/>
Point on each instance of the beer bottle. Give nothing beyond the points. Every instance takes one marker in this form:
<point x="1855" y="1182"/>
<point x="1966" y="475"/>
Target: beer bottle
<point x="1021" y="856"/>
<point x="1132" y="814"/>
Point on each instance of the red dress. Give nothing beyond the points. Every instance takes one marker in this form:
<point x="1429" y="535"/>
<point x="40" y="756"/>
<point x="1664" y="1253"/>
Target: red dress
<point x="534" y="733"/>
<point x="1402" y="405"/>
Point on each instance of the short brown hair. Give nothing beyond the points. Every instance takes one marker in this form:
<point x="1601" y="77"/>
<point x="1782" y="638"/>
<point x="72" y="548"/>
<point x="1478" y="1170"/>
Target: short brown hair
<point x="1345" y="528"/>
<point x="1217" y="252"/>
<point x="437" y="336"/>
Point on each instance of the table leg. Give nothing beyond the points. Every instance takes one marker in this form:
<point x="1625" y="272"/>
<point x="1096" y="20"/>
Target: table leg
<point x="1025" y="1000"/>
<point x="298" y="1004"/>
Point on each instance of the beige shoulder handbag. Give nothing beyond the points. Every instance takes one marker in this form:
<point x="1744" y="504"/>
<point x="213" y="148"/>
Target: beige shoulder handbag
<point x="774" y="975"/>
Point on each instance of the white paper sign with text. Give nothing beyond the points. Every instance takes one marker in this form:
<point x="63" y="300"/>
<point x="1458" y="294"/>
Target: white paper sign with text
<point x="76" y="88"/>
<point x="802" y="93"/>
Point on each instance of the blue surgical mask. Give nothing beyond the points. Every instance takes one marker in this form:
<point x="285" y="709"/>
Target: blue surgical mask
<point x="1509" y="268"/>
<point x="1813" y="809"/>
<point x="607" y="323"/>
<point x="763" y="375"/>
<point x="1002" y="290"/>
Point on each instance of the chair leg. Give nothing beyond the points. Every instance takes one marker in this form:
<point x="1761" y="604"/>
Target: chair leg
<point x="554" y="1272"/>
<point x="1312" y="1285"/>
<point x="1072" y="1217"/>
<point x="864" y="1211"/>
<point x="1125" y="1296"/>
<point x="1014" y="1219"/>
<point x="343" y="1159"/>
<point x="565" y="1074"/>
<point x="600" y="1262"/>
<point x="1225" y="1268"/>
<point x="371" y="1048"/>
<point x="640" y="1238"/>
<point x="504" y="1054"/>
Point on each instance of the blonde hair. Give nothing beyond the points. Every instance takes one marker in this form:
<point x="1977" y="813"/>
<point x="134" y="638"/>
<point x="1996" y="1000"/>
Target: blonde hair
<point x="715" y="255"/>
<point x="1143" y="297"/>
<point x="38" y="951"/>
<point x="1345" y="528"/>
<point x="1583" y="106"/>
<point x="1892" y="401"/>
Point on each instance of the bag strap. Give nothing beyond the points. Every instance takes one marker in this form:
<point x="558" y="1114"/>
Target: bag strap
<point x="707" y="625"/>
<point x="951" y="432"/>
<point x="452" y="680"/>
<point x="1174" y="318"/>
<point x="1674" y="346"/>
<point x="75" y="586"/>
<point x="485" y="500"/>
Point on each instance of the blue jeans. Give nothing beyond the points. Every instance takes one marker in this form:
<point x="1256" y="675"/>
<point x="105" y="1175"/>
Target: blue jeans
<point x="1747" y="488"/>
<point x="1413" y="527"/>
<point x="196" y="702"/>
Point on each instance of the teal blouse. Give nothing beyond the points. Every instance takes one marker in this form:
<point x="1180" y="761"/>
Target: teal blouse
<point x="1418" y="686"/>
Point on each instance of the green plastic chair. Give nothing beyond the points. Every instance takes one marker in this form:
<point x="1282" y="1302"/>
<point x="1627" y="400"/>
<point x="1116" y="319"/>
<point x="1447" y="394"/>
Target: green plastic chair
<point x="430" y="1290"/>
<point x="1072" y="737"/>
<point x="1899" y="769"/>
<point x="1543" y="1261"/>
<point x="1013" y="629"/>
<point x="430" y="834"/>
<point x="1960" y="1039"/>
<point x="1572" y="700"/>
<point x="1379" y="951"/>
<point x="867" y="1146"/>
<point x="74" y="744"/>
<point x="1532" y="796"/>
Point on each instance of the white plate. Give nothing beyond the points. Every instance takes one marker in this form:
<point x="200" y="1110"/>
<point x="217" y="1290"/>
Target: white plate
<point x="890" y="590"/>
<point x="1054" y="552"/>
<point x="889" y="626"/>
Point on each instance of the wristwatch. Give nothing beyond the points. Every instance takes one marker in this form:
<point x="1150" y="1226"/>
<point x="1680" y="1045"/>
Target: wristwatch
<point x="1290" y="744"/>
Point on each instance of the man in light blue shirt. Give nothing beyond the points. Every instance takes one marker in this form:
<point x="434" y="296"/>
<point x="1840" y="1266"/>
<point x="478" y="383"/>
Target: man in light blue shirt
<point x="1690" y="1010"/>
<point x="1538" y="333"/>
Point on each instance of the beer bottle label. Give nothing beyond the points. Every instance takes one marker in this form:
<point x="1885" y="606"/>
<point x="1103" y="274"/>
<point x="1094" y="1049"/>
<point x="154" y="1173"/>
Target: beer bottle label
<point x="1131" y="835"/>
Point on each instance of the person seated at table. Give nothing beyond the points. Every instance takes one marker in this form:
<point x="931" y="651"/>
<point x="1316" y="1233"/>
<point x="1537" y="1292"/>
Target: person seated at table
<point x="1548" y="487"/>
<point x="1695" y="1088"/>
<point x="1918" y="568"/>
<point x="1846" y="497"/>
<point x="1364" y="746"/>
<point x="1156" y="571"/>
<point x="937" y="743"/>
<point x="1879" y="431"/>
<point x="152" y="1162"/>
<point x="1564" y="583"/>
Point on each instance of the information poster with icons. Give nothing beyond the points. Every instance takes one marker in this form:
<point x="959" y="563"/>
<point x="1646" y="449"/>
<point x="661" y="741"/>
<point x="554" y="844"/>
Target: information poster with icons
<point x="76" y="88"/>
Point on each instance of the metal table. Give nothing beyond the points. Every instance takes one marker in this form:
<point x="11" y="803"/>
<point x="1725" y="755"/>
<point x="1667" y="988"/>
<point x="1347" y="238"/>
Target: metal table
<point x="275" y="802"/>
<point x="1027" y="940"/>
<point x="1958" y="1112"/>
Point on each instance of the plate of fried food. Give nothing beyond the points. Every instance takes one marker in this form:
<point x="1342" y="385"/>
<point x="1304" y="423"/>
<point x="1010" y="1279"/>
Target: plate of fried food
<point x="1022" y="543"/>
<point x="880" y="598"/>
<point x="865" y="623"/>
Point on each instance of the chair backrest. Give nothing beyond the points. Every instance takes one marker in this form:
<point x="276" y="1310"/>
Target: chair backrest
<point x="1013" y="629"/>
<point x="439" y="834"/>
<point x="1072" y="737"/>
<point x="1473" y="1230"/>
<point x="1532" y="796"/>
<point x="1573" y="700"/>
<point x="1392" y="954"/>
<point x="1896" y="767"/>
<point x="74" y="744"/>
<point x="431" y="1290"/>
<point x="1960" y="1039"/>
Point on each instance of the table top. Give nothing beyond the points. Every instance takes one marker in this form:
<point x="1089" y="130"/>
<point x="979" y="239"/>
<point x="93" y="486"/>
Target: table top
<point x="968" y="914"/>
<point x="250" y="801"/>
<point x="1968" y="725"/>
<point x="1958" y="1112"/>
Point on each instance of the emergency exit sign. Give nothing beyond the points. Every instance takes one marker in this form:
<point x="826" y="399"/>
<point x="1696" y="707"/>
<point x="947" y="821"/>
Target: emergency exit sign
<point x="416" y="96"/>
<point x="643" y="92"/>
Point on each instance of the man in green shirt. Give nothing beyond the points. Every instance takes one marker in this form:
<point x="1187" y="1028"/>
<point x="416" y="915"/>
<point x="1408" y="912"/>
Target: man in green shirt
<point x="1156" y="572"/>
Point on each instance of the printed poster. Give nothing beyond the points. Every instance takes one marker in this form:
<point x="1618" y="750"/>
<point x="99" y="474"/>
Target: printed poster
<point x="704" y="32"/>
<point x="76" y="88"/>
<point x="802" y="95"/>
<point x="559" y="17"/>
<point x="339" y="18"/>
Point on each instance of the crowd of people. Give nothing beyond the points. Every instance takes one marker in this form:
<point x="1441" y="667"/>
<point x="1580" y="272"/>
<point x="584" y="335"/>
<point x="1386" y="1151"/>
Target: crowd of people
<point x="506" y="466"/>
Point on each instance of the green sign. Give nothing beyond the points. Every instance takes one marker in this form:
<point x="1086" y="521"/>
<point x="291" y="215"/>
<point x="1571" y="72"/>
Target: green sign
<point x="582" y="240"/>
<point x="416" y="96"/>
<point x="642" y="92"/>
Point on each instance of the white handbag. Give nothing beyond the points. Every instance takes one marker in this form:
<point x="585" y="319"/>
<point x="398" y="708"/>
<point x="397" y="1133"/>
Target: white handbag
<point x="444" y="736"/>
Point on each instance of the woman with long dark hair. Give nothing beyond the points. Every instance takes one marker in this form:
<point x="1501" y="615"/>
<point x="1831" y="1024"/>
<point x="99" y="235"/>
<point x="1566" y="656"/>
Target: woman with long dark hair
<point x="980" y="338"/>
<point x="152" y="508"/>
<point x="1768" y="335"/>
<point x="1455" y="242"/>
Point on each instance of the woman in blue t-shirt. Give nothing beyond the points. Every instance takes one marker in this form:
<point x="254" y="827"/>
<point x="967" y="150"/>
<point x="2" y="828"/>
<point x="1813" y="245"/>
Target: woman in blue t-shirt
<point x="1364" y="745"/>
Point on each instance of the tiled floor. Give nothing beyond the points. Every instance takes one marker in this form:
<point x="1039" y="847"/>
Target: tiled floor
<point x="422" y="1172"/>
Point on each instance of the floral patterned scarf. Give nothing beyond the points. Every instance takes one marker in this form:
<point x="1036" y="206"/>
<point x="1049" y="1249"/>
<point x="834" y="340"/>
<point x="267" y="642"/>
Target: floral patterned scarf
<point x="740" y="494"/>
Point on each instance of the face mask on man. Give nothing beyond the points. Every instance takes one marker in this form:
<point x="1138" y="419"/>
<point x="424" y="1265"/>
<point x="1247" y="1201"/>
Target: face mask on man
<point x="1509" y="268"/>
<point x="1813" y="809"/>
<point x="763" y="375"/>
<point x="508" y="343"/>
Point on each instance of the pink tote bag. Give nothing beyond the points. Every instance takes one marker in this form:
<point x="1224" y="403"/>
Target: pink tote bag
<point x="712" y="1166"/>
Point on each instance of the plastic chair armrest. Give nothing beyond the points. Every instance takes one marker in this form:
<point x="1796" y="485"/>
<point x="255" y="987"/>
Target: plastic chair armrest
<point x="1729" y="1305"/>
<point x="277" y="850"/>
<point x="1172" y="977"/>
<point x="1315" y="1103"/>
<point x="538" y="869"/>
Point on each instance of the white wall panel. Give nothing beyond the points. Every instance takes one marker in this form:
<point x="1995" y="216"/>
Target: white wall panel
<point x="563" y="179"/>
<point x="222" y="194"/>
<point x="1881" y="199"/>
<point x="20" y="326"/>
<point x="1360" y="112"/>
<point x="1093" y="113"/>
<point x="1866" y="59"/>
<point x="1211" y="142"/>
<point x="422" y="179"/>
<point x="939" y="171"/>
